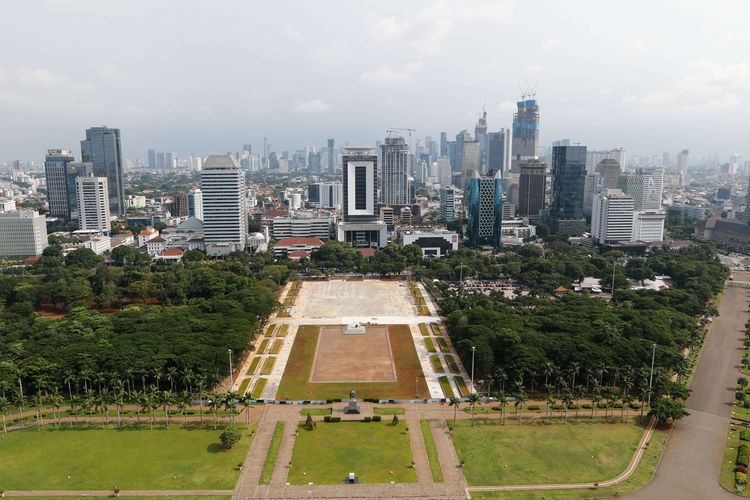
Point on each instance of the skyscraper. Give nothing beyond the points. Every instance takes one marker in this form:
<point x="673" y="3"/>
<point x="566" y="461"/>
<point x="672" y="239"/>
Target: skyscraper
<point x="525" y="132"/>
<point x="480" y="134"/>
<point x="457" y="160"/>
<point x="331" y="157"/>
<point x="447" y="203"/>
<point x="531" y="186"/>
<point x="485" y="210"/>
<point x="498" y="151"/>
<point x="395" y="188"/>
<point x="645" y="185"/>
<point x="610" y="171"/>
<point x="56" y="172"/>
<point x="102" y="149"/>
<point x="682" y="159"/>
<point x="360" y="226"/>
<point x="443" y="144"/>
<point x="179" y="206"/>
<point x="470" y="159"/>
<point x="224" y="205"/>
<point x="612" y="217"/>
<point x="23" y="233"/>
<point x="151" y="158"/>
<point x="568" y="180"/>
<point x="195" y="203"/>
<point x="93" y="203"/>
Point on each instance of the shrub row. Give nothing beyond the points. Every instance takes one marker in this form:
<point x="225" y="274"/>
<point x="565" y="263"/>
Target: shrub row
<point x="329" y="418"/>
<point x="743" y="455"/>
<point x="744" y="435"/>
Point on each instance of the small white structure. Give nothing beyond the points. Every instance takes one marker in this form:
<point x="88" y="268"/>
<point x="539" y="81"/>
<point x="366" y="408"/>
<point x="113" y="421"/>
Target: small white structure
<point x="354" y="329"/>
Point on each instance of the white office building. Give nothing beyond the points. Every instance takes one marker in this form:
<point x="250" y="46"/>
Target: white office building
<point x="444" y="174"/>
<point x="361" y="227"/>
<point x="302" y="225"/>
<point x="92" y="194"/>
<point x="648" y="225"/>
<point x="612" y="217"/>
<point x="646" y="186"/>
<point x="447" y="203"/>
<point x="22" y="234"/>
<point x="224" y="205"/>
<point x="195" y="204"/>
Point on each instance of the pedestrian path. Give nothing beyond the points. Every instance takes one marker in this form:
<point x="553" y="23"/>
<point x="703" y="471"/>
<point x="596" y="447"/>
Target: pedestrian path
<point x="449" y="462"/>
<point x="256" y="457"/>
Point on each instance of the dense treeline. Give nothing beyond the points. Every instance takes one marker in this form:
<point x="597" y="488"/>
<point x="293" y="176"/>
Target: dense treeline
<point x="132" y="321"/>
<point x="537" y="340"/>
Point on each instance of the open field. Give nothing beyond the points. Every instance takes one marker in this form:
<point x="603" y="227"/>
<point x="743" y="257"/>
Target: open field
<point x="189" y="457"/>
<point x="496" y="454"/>
<point x="353" y="358"/>
<point x="642" y="475"/>
<point x="376" y="452"/>
<point x="337" y="298"/>
<point x="295" y="383"/>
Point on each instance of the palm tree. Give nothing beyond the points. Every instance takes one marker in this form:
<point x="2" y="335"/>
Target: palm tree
<point x="548" y="369"/>
<point x="119" y="402"/>
<point x="101" y="379"/>
<point x="595" y="399"/>
<point x="502" y="376"/>
<point x="129" y="376"/>
<point x="214" y="403"/>
<point x="74" y="401"/>
<point x="38" y="404"/>
<point x="578" y="392"/>
<point x="171" y="375"/>
<point x="520" y="400"/>
<point x="4" y="406"/>
<point x="136" y="398"/>
<point x="230" y="403"/>
<point x="166" y="400"/>
<point x="201" y="396"/>
<point x="626" y="401"/>
<point x="503" y="400"/>
<point x="245" y="402"/>
<point x="473" y="400"/>
<point x="146" y="400"/>
<point x="187" y="377"/>
<point x="550" y="407"/>
<point x="567" y="401"/>
<point x="156" y="373"/>
<point x="85" y="376"/>
<point x="70" y="379"/>
<point x="456" y="404"/>
<point x="56" y="400"/>
<point x="573" y="370"/>
<point x="102" y="405"/>
<point x="548" y="390"/>
<point x="183" y="400"/>
<point x="87" y="403"/>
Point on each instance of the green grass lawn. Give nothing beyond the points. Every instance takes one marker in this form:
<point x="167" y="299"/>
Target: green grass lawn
<point x="432" y="454"/>
<point x="496" y="454"/>
<point x="430" y="345"/>
<point x="388" y="411"/>
<point x="452" y="366"/>
<point x="295" y="383"/>
<point x="263" y="346"/>
<point x="179" y="458"/>
<point x="423" y="330"/>
<point x="436" y="364"/>
<point x="642" y="475"/>
<point x="327" y="454"/>
<point x="270" y="330"/>
<point x="443" y="344"/>
<point x="273" y="452"/>
<point x="282" y="331"/>
<point x="267" y="367"/>
<point x="435" y="329"/>
<point x="461" y="386"/>
<point x="276" y="347"/>
<point x="258" y="388"/>
<point x="253" y="365"/>
<point x="243" y="386"/>
<point x="315" y="412"/>
<point x="445" y="385"/>
<point x="730" y="455"/>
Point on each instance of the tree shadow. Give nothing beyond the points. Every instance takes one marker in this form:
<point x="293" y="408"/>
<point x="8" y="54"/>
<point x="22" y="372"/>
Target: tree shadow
<point x="215" y="448"/>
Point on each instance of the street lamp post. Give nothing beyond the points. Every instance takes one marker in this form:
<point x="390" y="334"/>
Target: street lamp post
<point x="416" y="389"/>
<point x="231" y="382"/>
<point x="473" y="350"/>
<point x="651" y="377"/>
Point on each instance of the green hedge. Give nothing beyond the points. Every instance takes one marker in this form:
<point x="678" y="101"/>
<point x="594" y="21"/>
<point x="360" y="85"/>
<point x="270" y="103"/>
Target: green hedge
<point x="743" y="455"/>
<point x="744" y="436"/>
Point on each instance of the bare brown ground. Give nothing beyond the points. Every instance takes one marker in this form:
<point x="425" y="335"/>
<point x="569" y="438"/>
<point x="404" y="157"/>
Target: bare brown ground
<point x="353" y="358"/>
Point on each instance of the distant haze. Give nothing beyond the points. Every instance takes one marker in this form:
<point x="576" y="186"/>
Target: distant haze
<point x="190" y="76"/>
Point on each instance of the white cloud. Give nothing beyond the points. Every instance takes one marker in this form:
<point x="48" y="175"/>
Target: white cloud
<point x="704" y="85"/>
<point x="534" y="68"/>
<point x="312" y="106"/>
<point x="388" y="28"/>
<point x="386" y="76"/>
<point x="506" y="106"/>
<point x="113" y="73"/>
<point x="38" y="77"/>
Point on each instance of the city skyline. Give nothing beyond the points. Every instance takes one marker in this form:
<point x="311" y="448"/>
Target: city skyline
<point x="670" y="80"/>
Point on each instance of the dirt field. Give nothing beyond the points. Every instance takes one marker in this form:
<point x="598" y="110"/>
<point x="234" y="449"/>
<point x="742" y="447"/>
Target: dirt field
<point x="337" y="298"/>
<point x="353" y="358"/>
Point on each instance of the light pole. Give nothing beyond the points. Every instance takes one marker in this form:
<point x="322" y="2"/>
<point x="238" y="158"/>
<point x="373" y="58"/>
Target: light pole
<point x="473" y="350"/>
<point x="416" y="389"/>
<point x="231" y="382"/>
<point x="651" y="377"/>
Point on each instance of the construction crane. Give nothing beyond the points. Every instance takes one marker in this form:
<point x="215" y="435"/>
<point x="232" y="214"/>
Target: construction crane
<point x="393" y="131"/>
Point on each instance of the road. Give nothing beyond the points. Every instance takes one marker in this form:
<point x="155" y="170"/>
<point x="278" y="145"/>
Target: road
<point x="691" y="463"/>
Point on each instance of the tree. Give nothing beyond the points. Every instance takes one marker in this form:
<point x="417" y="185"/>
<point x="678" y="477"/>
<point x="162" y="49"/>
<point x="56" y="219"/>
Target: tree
<point x="309" y="422"/>
<point x="394" y="420"/>
<point x="503" y="400"/>
<point x="456" y="404"/>
<point x="230" y="437"/>
<point x="473" y="400"/>
<point x="667" y="411"/>
<point x="4" y="406"/>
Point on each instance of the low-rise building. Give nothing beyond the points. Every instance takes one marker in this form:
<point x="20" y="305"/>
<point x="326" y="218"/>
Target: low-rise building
<point x="23" y="233"/>
<point x="170" y="255"/>
<point x="155" y="246"/>
<point x="433" y="242"/>
<point x="514" y="231"/>
<point x="297" y="248"/>
<point x="98" y="244"/>
<point x="147" y="234"/>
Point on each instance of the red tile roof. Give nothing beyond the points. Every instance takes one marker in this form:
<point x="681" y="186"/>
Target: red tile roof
<point x="172" y="252"/>
<point x="158" y="239"/>
<point x="276" y="213"/>
<point x="31" y="260"/>
<point x="298" y="254"/>
<point x="366" y="252"/>
<point x="286" y="242"/>
<point x="146" y="232"/>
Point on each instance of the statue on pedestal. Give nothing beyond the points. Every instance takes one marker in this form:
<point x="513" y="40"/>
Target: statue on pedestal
<point x="352" y="407"/>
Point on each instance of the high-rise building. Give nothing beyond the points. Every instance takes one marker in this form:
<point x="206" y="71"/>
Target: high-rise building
<point x="444" y="177"/>
<point x="23" y="233"/>
<point x="447" y="203"/>
<point x="179" y="206"/>
<point x="395" y="187"/>
<point x="746" y="218"/>
<point x="480" y="134"/>
<point x="93" y="204"/>
<point x="498" y="151"/>
<point x="360" y="226"/>
<point x="160" y="163"/>
<point x="485" y="209"/>
<point x="331" y="157"/>
<point x="531" y="187"/>
<point x="102" y="149"/>
<point x="612" y="217"/>
<point x="151" y="158"/>
<point x="325" y="195"/>
<point x="610" y="171"/>
<point x="195" y="203"/>
<point x="457" y="160"/>
<point x="568" y="182"/>
<point x="525" y="132"/>
<point x="470" y="159"/>
<point x="648" y="225"/>
<point x="224" y="205"/>
<point x="56" y="172"/>
<point x="682" y="159"/>
<point x="645" y="185"/>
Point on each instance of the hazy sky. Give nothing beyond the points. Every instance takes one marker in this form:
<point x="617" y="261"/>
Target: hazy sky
<point x="189" y="76"/>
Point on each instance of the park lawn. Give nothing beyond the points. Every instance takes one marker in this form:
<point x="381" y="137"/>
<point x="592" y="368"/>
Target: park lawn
<point x="443" y="345"/>
<point x="315" y="412"/>
<point x="327" y="454"/>
<point x="273" y="452"/>
<point x="436" y="364"/>
<point x="445" y="385"/>
<point x="276" y="347"/>
<point x="243" y="386"/>
<point x="183" y="457"/>
<point x="262" y="348"/>
<point x="267" y="367"/>
<point x="432" y="454"/>
<point x="258" y="388"/>
<point x="461" y="386"/>
<point x="423" y="330"/>
<point x="730" y="456"/>
<point x="435" y="329"/>
<point x="295" y="383"/>
<point x="423" y="310"/>
<point x="495" y="454"/>
<point x="270" y="330"/>
<point x="387" y="411"/>
<point x="282" y="331"/>
<point x="640" y="478"/>
<point x="253" y="365"/>
<point x="430" y="345"/>
<point x="452" y="364"/>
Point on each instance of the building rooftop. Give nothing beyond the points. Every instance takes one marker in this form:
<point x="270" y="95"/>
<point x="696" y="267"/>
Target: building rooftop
<point x="219" y="162"/>
<point x="286" y="242"/>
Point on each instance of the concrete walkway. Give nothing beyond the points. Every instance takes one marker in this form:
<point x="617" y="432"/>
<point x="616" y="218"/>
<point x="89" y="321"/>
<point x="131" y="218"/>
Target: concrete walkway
<point x="418" y="450"/>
